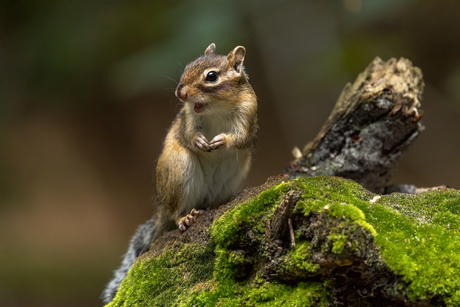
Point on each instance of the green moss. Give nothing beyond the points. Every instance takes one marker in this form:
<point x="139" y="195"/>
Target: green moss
<point x="419" y="239"/>
<point x="225" y="231"/>
<point x="351" y="213"/>
<point x="230" y="229"/>
<point x="299" y="258"/>
<point x="334" y="196"/>
<point x="417" y="235"/>
<point x="267" y="294"/>
<point x="166" y="279"/>
<point x="338" y="240"/>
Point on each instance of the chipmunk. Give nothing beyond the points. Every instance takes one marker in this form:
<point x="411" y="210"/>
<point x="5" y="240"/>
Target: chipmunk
<point x="193" y="173"/>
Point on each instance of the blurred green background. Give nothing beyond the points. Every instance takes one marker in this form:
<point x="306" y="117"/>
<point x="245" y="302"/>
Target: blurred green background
<point x="86" y="98"/>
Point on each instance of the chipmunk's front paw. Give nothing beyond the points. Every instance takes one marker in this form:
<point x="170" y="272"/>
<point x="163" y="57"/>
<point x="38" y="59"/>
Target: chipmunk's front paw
<point x="189" y="219"/>
<point x="218" y="141"/>
<point x="202" y="143"/>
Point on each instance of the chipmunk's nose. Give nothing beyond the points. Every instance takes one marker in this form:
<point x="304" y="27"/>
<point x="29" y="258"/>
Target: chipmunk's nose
<point x="181" y="93"/>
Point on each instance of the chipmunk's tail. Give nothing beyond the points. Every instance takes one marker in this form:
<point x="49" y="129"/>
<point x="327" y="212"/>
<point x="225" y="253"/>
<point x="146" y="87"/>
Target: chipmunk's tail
<point x="140" y="243"/>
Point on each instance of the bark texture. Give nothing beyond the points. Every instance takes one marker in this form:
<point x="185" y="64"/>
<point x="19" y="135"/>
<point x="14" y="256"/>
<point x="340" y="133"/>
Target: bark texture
<point x="372" y="124"/>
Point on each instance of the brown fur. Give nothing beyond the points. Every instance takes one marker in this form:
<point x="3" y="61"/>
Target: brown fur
<point x="233" y="100"/>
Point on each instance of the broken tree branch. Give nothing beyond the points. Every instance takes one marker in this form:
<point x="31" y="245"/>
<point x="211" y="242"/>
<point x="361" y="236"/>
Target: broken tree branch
<point x="373" y="122"/>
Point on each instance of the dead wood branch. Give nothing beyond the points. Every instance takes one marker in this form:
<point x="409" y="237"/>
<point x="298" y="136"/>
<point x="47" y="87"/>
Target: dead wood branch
<point x="373" y="122"/>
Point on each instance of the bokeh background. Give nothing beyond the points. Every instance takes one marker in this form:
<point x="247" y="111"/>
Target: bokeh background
<point x="87" y="95"/>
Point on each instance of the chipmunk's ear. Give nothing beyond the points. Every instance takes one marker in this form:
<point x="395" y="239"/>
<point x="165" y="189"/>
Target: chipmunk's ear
<point x="236" y="57"/>
<point x="211" y="49"/>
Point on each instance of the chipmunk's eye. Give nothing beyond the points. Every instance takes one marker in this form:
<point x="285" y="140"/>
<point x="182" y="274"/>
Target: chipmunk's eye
<point x="211" y="76"/>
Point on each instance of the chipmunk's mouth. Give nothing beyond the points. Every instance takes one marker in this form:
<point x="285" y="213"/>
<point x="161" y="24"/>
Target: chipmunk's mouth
<point x="199" y="107"/>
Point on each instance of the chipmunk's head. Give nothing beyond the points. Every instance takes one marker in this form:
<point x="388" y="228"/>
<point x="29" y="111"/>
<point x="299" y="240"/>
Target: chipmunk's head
<point x="214" y="83"/>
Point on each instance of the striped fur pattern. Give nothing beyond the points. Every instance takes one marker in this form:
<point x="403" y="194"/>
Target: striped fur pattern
<point x="207" y="151"/>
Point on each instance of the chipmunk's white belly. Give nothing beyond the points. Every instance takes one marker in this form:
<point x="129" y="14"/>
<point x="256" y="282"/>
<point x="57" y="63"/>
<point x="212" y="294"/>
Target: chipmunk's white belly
<point x="222" y="172"/>
<point x="219" y="174"/>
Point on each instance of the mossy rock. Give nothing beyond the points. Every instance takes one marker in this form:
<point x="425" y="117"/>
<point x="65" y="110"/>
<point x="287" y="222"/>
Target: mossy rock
<point x="397" y="250"/>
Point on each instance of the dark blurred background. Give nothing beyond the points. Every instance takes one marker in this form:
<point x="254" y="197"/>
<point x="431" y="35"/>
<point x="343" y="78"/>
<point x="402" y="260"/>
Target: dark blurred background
<point x="87" y="95"/>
